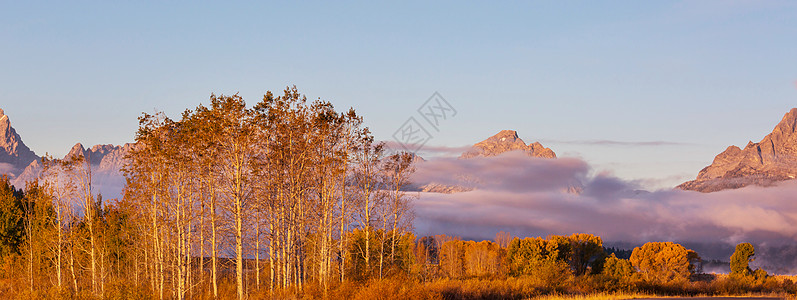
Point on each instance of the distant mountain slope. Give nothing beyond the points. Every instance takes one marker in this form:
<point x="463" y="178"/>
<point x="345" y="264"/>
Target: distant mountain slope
<point x="504" y="141"/>
<point x="771" y="160"/>
<point x="14" y="154"/>
<point x="22" y="165"/>
<point x="106" y="163"/>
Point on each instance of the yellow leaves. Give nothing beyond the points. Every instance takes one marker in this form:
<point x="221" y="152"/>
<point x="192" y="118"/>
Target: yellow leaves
<point x="585" y="239"/>
<point x="618" y="268"/>
<point x="531" y="255"/>
<point x="584" y="247"/>
<point x="577" y="250"/>
<point x="661" y="262"/>
<point x="469" y="258"/>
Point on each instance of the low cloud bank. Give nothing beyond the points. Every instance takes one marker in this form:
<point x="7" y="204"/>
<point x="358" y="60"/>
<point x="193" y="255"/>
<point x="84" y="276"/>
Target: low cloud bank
<point x="6" y="168"/>
<point x="106" y="180"/>
<point x="510" y="172"/>
<point x="538" y="197"/>
<point x="109" y="182"/>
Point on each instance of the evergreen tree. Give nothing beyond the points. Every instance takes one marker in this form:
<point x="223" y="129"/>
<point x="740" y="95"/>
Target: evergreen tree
<point x="741" y="258"/>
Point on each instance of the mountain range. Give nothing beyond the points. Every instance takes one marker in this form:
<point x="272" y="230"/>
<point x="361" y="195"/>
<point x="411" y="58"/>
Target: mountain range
<point x="772" y="160"/>
<point x="21" y="164"/>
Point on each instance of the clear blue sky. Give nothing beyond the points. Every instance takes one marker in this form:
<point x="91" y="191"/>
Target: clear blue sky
<point x="699" y="74"/>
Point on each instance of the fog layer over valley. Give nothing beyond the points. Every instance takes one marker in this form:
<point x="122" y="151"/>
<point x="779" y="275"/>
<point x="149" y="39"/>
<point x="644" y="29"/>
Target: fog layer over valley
<point x="530" y="196"/>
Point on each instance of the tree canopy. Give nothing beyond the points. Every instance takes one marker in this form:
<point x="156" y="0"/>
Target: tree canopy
<point x="741" y="258"/>
<point x="661" y="262"/>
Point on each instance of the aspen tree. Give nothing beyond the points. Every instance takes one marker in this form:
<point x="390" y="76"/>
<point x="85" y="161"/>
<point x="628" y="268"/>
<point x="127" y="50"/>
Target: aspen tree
<point x="353" y="123"/>
<point x="60" y="187"/>
<point x="145" y="172"/>
<point x="366" y="175"/>
<point x="235" y="140"/>
<point x="398" y="169"/>
<point x="206" y="149"/>
<point x="80" y="171"/>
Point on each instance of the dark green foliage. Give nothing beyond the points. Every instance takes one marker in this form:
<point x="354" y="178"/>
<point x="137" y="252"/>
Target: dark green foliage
<point x="39" y="230"/>
<point x="741" y="258"/>
<point x="618" y="268"/>
<point x="544" y="261"/>
<point x="119" y="234"/>
<point x="12" y="230"/>
<point x="525" y="256"/>
<point x="596" y="266"/>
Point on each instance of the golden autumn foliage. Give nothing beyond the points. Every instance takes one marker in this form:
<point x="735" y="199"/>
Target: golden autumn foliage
<point x="661" y="262"/>
<point x="584" y="247"/>
<point x="554" y="258"/>
<point x="471" y="259"/>
<point x="618" y="268"/>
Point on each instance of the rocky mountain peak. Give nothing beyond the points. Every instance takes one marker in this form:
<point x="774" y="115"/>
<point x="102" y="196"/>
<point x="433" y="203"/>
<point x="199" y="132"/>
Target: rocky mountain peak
<point x="98" y="154"/>
<point x="772" y="159"/>
<point x="14" y="154"/>
<point x="76" y="150"/>
<point x="507" y="134"/>
<point x="789" y="121"/>
<point x="22" y="165"/>
<point x="505" y="141"/>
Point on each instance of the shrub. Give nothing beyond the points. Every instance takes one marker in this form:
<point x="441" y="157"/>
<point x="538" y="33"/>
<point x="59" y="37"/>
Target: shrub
<point x="661" y="262"/>
<point x="394" y="288"/>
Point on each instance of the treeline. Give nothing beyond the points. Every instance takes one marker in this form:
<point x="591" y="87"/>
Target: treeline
<point x="57" y="247"/>
<point x="291" y="192"/>
<point x="578" y="264"/>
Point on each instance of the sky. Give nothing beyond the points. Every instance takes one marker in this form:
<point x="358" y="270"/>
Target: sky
<point x="648" y="91"/>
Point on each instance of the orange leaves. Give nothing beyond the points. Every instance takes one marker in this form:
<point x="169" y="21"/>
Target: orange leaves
<point x="661" y="262"/>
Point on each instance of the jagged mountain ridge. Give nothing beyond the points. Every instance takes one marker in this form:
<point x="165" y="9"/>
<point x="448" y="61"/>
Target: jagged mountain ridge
<point x="14" y="154"/>
<point x="106" y="161"/>
<point x="21" y="164"/>
<point x="765" y="163"/>
<point x="106" y="157"/>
